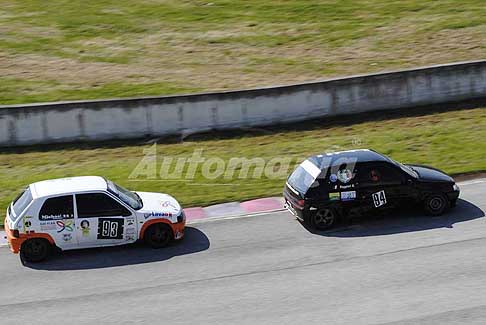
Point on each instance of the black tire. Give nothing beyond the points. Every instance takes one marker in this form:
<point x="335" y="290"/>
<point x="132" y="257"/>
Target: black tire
<point x="35" y="250"/>
<point x="324" y="218"/>
<point x="436" y="204"/>
<point x="158" y="235"/>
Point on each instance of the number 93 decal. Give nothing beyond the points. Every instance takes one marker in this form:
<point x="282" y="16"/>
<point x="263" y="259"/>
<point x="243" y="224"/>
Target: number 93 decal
<point x="110" y="228"/>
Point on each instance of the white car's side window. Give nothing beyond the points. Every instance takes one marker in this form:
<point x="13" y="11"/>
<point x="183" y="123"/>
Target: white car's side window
<point x="92" y="205"/>
<point x="57" y="208"/>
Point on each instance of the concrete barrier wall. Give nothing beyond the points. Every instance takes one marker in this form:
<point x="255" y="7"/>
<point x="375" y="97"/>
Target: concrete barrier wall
<point x="140" y="117"/>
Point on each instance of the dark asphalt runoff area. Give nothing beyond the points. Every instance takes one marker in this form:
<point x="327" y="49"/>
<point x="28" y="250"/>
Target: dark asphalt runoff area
<point x="402" y="268"/>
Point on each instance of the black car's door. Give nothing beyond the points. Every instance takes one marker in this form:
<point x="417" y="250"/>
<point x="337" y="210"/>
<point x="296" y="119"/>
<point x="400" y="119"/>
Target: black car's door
<point x="381" y="185"/>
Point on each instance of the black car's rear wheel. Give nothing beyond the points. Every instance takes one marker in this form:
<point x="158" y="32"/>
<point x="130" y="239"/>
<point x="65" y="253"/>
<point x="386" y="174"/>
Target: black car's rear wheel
<point x="324" y="218"/>
<point x="158" y="235"/>
<point x="436" y="204"/>
<point x="35" y="250"/>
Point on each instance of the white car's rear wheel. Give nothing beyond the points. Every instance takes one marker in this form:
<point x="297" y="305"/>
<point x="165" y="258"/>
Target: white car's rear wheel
<point x="35" y="250"/>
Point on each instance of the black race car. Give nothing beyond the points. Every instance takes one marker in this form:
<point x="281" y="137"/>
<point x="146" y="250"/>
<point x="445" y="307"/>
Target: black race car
<point x="326" y="187"/>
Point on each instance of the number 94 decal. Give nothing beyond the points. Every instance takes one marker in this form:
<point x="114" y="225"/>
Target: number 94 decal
<point x="379" y="199"/>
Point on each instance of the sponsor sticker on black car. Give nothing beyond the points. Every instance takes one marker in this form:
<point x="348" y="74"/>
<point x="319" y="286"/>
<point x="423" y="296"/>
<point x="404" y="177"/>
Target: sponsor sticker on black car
<point x="348" y="195"/>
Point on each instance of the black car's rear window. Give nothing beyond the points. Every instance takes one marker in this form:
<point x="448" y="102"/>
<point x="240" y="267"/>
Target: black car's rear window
<point x="304" y="176"/>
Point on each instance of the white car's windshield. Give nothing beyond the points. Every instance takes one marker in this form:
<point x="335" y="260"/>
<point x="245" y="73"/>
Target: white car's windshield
<point x="130" y="198"/>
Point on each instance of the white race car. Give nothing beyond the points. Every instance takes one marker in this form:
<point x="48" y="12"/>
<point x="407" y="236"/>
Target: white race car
<point x="88" y="211"/>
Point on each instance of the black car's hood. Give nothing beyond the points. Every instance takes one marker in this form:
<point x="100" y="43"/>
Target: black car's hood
<point x="431" y="174"/>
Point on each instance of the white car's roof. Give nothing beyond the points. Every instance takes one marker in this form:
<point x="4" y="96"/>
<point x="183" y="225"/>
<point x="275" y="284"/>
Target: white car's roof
<point x="67" y="186"/>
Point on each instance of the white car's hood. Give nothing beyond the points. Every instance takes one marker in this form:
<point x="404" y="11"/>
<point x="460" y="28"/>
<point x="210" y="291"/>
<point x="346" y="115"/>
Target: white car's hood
<point x="159" y="205"/>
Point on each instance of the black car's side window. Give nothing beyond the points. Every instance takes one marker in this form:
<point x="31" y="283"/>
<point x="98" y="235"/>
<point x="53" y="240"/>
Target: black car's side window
<point x="388" y="175"/>
<point x="368" y="175"/>
<point x="94" y="205"/>
<point x="378" y="174"/>
<point x="57" y="208"/>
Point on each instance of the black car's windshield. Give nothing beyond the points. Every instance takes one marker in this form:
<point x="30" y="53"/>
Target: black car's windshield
<point x="130" y="198"/>
<point x="405" y="168"/>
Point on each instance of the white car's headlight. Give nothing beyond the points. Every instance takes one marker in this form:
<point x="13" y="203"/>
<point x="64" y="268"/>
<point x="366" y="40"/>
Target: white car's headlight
<point x="455" y="187"/>
<point x="181" y="217"/>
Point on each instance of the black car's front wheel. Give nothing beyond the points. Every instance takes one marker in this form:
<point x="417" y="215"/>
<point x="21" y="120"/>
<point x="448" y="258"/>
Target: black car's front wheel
<point x="436" y="204"/>
<point x="324" y="218"/>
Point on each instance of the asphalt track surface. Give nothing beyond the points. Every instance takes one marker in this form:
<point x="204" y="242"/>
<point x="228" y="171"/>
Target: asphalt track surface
<point x="269" y="269"/>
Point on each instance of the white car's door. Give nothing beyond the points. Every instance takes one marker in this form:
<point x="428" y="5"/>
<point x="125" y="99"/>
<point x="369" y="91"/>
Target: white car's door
<point x="102" y="221"/>
<point x="56" y="218"/>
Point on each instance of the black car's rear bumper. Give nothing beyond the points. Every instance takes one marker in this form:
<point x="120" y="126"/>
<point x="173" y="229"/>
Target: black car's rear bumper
<point x="296" y="211"/>
<point x="291" y="204"/>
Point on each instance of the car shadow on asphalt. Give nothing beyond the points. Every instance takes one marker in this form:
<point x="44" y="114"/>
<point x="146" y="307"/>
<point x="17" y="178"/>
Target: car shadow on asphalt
<point x="95" y="258"/>
<point x="409" y="220"/>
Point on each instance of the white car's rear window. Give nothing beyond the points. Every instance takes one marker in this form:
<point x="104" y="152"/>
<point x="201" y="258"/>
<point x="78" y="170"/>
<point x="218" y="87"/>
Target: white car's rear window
<point x="20" y="204"/>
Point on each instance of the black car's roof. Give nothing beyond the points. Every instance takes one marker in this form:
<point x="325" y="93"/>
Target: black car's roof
<point x="362" y="155"/>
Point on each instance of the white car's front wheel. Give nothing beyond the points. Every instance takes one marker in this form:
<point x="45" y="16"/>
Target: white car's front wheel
<point x="158" y="235"/>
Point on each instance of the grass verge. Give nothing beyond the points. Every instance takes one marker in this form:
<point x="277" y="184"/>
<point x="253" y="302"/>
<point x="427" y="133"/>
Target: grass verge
<point x="449" y="140"/>
<point x="91" y="49"/>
